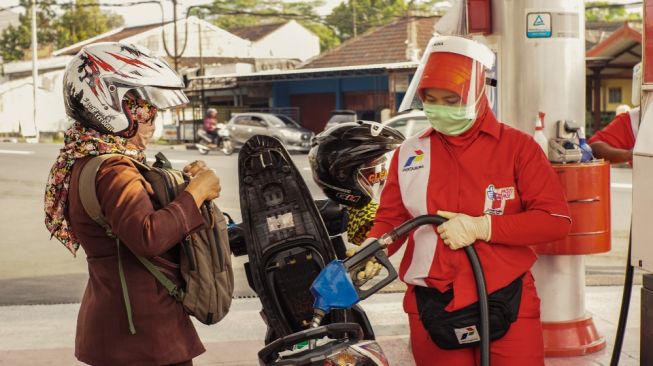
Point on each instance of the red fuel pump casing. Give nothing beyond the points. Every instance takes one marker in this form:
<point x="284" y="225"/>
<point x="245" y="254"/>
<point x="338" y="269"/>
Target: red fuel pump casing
<point x="479" y="16"/>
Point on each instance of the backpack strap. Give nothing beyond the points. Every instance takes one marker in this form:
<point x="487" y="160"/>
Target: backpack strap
<point x="88" y="197"/>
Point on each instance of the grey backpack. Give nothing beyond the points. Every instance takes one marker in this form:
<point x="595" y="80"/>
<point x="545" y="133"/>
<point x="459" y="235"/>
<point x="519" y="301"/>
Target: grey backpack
<point x="205" y="255"/>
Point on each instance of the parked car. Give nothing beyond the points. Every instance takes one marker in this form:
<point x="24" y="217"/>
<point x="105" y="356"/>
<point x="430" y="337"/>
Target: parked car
<point x="242" y="126"/>
<point x="340" y="116"/>
<point x="409" y="123"/>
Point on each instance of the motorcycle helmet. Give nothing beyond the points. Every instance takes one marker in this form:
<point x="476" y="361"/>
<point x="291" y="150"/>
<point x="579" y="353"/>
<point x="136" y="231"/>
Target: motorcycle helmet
<point x="349" y="162"/>
<point x="99" y="77"/>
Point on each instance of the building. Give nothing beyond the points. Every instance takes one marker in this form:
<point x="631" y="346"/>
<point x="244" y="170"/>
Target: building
<point x="202" y="49"/>
<point x="609" y="73"/>
<point x="368" y="74"/>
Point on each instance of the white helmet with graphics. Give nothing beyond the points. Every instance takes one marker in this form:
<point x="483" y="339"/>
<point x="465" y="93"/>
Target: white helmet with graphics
<point x="454" y="64"/>
<point x="98" y="78"/>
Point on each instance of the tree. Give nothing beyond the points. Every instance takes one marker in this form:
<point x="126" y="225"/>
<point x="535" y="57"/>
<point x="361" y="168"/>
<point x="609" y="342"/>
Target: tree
<point x="231" y="14"/>
<point x="605" y="11"/>
<point x="81" y="21"/>
<point x="15" y="40"/>
<point x="368" y="14"/>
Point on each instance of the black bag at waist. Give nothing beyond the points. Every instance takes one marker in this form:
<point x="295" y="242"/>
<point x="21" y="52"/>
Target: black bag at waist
<point x="460" y="328"/>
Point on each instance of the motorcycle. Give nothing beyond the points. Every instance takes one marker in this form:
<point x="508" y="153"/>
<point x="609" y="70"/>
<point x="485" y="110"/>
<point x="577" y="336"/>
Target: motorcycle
<point x="208" y="143"/>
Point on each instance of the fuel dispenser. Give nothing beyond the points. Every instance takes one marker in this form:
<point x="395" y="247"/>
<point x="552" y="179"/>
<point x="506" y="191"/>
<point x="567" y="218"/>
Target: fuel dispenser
<point x="641" y="232"/>
<point x="538" y="45"/>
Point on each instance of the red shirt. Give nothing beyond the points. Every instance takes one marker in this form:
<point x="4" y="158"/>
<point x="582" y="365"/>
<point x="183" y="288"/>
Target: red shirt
<point x="618" y="133"/>
<point x="459" y="181"/>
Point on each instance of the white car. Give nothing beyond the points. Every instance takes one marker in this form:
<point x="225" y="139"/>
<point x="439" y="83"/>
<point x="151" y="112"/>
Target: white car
<point x="409" y="123"/>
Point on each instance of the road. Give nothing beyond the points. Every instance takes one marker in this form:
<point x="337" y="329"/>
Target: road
<point x="37" y="270"/>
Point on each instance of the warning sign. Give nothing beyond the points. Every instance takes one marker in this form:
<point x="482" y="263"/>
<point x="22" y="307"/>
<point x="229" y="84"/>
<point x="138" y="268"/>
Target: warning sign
<point x="538" y="25"/>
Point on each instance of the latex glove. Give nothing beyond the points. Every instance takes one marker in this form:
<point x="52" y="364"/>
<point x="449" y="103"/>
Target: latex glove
<point x="462" y="230"/>
<point x="372" y="268"/>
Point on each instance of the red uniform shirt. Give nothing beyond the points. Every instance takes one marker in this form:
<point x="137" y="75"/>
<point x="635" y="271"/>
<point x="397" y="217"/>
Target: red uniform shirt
<point x="618" y="133"/>
<point x="501" y="164"/>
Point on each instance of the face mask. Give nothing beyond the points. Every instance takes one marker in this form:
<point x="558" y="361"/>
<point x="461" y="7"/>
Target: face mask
<point x="143" y="135"/>
<point x="448" y="120"/>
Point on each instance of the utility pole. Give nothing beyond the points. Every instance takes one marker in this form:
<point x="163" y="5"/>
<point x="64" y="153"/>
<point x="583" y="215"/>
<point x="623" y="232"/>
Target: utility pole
<point x="353" y="11"/>
<point x="35" y="70"/>
<point x="174" y="22"/>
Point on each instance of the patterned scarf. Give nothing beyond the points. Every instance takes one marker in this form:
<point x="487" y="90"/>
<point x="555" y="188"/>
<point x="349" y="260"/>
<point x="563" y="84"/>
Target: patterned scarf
<point x="360" y="222"/>
<point x="78" y="143"/>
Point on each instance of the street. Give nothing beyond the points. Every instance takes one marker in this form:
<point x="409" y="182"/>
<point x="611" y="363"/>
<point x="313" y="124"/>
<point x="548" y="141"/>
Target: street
<point x="37" y="270"/>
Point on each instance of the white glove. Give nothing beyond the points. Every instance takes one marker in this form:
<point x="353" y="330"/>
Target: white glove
<point x="462" y="230"/>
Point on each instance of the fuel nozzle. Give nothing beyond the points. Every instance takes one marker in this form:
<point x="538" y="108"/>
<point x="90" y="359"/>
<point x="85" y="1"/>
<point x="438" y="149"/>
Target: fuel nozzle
<point x="318" y="315"/>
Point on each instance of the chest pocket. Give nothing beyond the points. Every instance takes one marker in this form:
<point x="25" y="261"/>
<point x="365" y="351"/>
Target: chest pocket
<point x="500" y="195"/>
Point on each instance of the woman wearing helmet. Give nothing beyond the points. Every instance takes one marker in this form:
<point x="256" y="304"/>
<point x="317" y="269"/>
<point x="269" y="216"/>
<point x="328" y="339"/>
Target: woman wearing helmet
<point x="348" y="162"/>
<point x="499" y="193"/>
<point x="113" y="91"/>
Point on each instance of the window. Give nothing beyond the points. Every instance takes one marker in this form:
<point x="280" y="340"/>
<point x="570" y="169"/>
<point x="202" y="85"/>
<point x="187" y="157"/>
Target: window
<point x="243" y="121"/>
<point x="614" y="95"/>
<point x="258" y="122"/>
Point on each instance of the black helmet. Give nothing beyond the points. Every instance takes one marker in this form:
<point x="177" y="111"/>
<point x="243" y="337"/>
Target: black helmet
<point x="348" y="160"/>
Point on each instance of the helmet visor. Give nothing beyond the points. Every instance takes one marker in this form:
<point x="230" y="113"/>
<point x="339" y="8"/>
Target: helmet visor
<point x="371" y="177"/>
<point x="162" y="98"/>
<point x="450" y="84"/>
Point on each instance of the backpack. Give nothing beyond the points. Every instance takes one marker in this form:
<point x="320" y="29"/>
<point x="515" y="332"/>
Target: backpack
<point x="205" y="254"/>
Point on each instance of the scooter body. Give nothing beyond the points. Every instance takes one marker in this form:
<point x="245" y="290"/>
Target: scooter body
<point x="286" y="240"/>
<point x="223" y="143"/>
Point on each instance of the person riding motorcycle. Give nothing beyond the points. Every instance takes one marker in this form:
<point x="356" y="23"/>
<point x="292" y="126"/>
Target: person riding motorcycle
<point x="211" y="125"/>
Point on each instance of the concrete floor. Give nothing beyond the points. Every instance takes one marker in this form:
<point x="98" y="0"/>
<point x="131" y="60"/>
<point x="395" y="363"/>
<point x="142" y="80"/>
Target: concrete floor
<point x="44" y="334"/>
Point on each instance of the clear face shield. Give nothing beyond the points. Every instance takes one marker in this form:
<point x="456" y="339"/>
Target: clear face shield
<point x="450" y="81"/>
<point x="372" y="176"/>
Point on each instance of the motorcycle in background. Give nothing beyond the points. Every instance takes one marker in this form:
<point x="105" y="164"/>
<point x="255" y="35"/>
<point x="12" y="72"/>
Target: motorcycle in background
<point x="208" y="143"/>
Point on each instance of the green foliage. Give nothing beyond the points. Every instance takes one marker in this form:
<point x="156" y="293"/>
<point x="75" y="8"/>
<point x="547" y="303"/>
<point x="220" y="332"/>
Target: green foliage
<point x="55" y="29"/>
<point x="369" y="14"/>
<point x="605" y="11"/>
<point x="84" y="20"/>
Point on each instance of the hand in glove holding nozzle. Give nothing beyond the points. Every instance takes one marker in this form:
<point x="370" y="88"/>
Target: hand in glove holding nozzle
<point x="462" y="230"/>
<point x="372" y="267"/>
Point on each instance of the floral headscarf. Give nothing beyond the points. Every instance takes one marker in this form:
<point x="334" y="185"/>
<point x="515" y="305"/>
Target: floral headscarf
<point x="79" y="142"/>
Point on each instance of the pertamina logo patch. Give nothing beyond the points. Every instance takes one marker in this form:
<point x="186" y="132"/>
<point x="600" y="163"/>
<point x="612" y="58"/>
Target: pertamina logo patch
<point x="414" y="162"/>
<point x="467" y="335"/>
<point x="495" y="199"/>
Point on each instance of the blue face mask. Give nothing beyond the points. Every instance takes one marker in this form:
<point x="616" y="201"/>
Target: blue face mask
<point x="449" y="120"/>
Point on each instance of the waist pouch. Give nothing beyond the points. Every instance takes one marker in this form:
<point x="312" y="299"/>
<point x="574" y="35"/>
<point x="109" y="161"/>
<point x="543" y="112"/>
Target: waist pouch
<point x="460" y="328"/>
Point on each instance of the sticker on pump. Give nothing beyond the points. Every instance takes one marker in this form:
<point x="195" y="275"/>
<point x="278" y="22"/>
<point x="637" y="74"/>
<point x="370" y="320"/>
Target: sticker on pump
<point x="538" y="25"/>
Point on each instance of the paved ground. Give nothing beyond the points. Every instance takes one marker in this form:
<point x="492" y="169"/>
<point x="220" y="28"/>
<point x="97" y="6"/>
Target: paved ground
<point x="44" y="335"/>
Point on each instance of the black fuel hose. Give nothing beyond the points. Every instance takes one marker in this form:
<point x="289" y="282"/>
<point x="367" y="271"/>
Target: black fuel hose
<point x="479" y="276"/>
<point x="625" y="303"/>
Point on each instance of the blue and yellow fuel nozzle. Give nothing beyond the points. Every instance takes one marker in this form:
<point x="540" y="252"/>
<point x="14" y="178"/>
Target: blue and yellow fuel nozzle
<point x="334" y="288"/>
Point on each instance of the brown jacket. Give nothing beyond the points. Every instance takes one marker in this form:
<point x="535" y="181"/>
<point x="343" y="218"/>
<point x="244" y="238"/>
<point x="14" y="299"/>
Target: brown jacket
<point x="164" y="332"/>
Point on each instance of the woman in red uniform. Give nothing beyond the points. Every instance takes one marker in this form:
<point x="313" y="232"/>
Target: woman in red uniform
<point x="498" y="191"/>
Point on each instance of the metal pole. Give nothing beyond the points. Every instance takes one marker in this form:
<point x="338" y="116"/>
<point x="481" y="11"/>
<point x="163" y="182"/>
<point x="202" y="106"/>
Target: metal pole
<point x="176" y="62"/>
<point x="35" y="70"/>
<point x="353" y="11"/>
<point x="174" y="22"/>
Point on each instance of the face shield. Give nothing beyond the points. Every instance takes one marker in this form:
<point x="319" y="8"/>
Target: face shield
<point x="371" y="177"/>
<point x="450" y="78"/>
